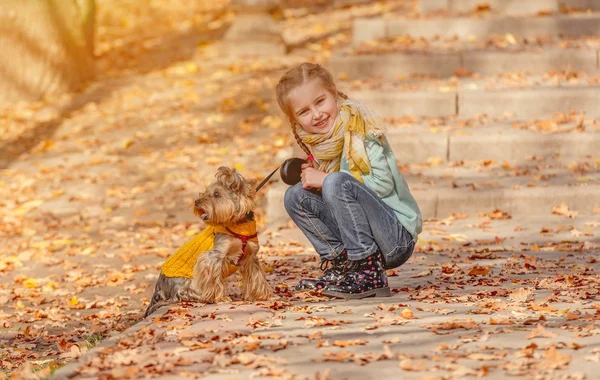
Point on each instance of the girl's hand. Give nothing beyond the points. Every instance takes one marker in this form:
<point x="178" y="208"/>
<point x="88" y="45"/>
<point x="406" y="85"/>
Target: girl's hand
<point x="309" y="163"/>
<point x="312" y="178"/>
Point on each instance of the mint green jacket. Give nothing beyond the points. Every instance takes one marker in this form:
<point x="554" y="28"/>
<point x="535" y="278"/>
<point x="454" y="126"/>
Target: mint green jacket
<point x="387" y="182"/>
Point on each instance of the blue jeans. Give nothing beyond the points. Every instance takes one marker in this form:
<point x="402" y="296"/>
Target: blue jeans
<point x="347" y="215"/>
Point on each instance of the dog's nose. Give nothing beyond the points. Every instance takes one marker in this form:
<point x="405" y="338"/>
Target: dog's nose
<point x="197" y="202"/>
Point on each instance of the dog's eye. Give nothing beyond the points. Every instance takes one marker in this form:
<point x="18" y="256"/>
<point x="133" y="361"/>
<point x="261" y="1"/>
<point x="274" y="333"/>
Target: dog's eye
<point x="216" y="194"/>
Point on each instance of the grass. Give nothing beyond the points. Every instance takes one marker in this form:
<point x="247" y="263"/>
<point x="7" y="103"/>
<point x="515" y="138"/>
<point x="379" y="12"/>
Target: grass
<point x="93" y="340"/>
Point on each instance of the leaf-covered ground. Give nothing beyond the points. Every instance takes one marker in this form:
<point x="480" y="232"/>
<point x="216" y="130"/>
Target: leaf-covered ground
<point x="96" y="189"/>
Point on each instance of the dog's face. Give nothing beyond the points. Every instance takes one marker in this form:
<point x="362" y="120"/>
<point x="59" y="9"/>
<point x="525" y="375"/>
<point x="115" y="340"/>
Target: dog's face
<point x="227" y="200"/>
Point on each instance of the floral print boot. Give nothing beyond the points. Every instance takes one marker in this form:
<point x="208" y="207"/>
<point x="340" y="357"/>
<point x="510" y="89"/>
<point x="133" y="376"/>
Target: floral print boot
<point x="364" y="278"/>
<point x="333" y="272"/>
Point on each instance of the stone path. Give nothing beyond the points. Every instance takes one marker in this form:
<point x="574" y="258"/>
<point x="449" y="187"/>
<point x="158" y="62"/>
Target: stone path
<point x="96" y="192"/>
<point x="485" y="296"/>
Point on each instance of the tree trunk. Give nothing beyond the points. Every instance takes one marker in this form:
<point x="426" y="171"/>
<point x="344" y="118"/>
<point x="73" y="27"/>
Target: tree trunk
<point x="46" y="47"/>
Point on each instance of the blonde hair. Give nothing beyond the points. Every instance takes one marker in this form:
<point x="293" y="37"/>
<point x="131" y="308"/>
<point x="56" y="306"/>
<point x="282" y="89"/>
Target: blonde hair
<point x="296" y="77"/>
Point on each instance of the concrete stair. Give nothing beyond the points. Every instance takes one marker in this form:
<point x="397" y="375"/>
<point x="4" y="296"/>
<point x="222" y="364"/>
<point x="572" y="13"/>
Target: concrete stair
<point x="446" y="62"/>
<point x="506" y="6"/>
<point x="475" y="97"/>
<point x="500" y="141"/>
<point x="478" y="123"/>
<point x="534" y="188"/>
<point x="465" y="27"/>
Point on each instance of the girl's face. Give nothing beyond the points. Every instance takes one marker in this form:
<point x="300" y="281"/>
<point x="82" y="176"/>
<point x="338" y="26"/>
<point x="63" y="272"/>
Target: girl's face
<point x="314" y="107"/>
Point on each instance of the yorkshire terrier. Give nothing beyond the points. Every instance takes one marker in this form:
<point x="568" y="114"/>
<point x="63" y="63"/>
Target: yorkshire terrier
<point x="198" y="270"/>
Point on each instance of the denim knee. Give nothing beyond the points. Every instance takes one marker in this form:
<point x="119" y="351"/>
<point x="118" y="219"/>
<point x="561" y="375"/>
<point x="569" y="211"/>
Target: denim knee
<point x="292" y="197"/>
<point x="333" y="185"/>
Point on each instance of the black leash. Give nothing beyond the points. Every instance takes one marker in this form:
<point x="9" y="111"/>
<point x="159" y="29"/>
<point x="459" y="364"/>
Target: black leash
<point x="267" y="178"/>
<point x="291" y="170"/>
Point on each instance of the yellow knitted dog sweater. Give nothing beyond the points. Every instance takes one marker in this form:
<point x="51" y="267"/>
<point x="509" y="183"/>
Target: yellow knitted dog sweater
<point x="181" y="263"/>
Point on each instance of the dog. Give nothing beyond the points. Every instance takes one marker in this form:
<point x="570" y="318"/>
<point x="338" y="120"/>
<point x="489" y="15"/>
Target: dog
<point x="198" y="270"/>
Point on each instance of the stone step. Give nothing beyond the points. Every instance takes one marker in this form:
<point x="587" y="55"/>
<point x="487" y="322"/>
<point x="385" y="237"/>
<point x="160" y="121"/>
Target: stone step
<point x="527" y="103"/>
<point x="474" y="187"/>
<point x="514" y="142"/>
<point x="441" y="63"/>
<point x="465" y="27"/>
<point x="455" y="230"/>
<point x="494" y="142"/>
<point x="520" y="95"/>
<point x="512" y="7"/>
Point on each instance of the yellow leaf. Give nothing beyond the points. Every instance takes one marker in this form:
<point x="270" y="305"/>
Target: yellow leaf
<point x="272" y="121"/>
<point x="213" y="160"/>
<point x="239" y="166"/>
<point x="28" y="232"/>
<point x="459" y="238"/>
<point x="511" y="39"/>
<point x="192" y="96"/>
<point x="63" y="242"/>
<point x="47" y="144"/>
<point x="30" y="283"/>
<point x="74" y="301"/>
<point x="314" y="47"/>
<point x="435" y="161"/>
<point x="407" y="314"/>
<point x="87" y="251"/>
<point x="191" y="68"/>
<point x="57" y="193"/>
<point x="127" y="144"/>
<point x="319" y="28"/>
<point x="279" y="142"/>
<point x="31" y="204"/>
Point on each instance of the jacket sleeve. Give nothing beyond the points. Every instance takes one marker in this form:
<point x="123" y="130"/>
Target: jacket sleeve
<point x="380" y="180"/>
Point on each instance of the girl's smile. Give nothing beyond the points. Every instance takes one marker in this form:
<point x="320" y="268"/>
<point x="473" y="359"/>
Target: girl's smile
<point x="321" y="123"/>
<point x="314" y="106"/>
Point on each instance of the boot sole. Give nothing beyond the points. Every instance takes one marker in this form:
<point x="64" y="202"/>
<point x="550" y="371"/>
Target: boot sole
<point x="380" y="292"/>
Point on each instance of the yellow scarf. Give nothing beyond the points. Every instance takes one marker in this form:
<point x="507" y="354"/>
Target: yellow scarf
<point x="353" y="123"/>
<point x="182" y="262"/>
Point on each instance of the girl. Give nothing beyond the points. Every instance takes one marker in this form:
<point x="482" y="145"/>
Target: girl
<point x="352" y="202"/>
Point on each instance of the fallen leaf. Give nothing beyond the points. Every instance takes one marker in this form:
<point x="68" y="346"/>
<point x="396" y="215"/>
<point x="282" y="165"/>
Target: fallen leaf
<point x="563" y="209"/>
<point x="348" y="343"/>
<point x="407" y="314"/>
<point x="479" y="271"/>
<point x="412" y="366"/>
<point x="541" y="332"/>
<point x="555" y="360"/>
<point x="520" y="295"/>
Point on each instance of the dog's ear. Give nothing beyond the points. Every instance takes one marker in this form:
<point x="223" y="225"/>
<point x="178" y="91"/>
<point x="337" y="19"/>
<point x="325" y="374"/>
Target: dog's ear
<point x="230" y="179"/>
<point x="249" y="189"/>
